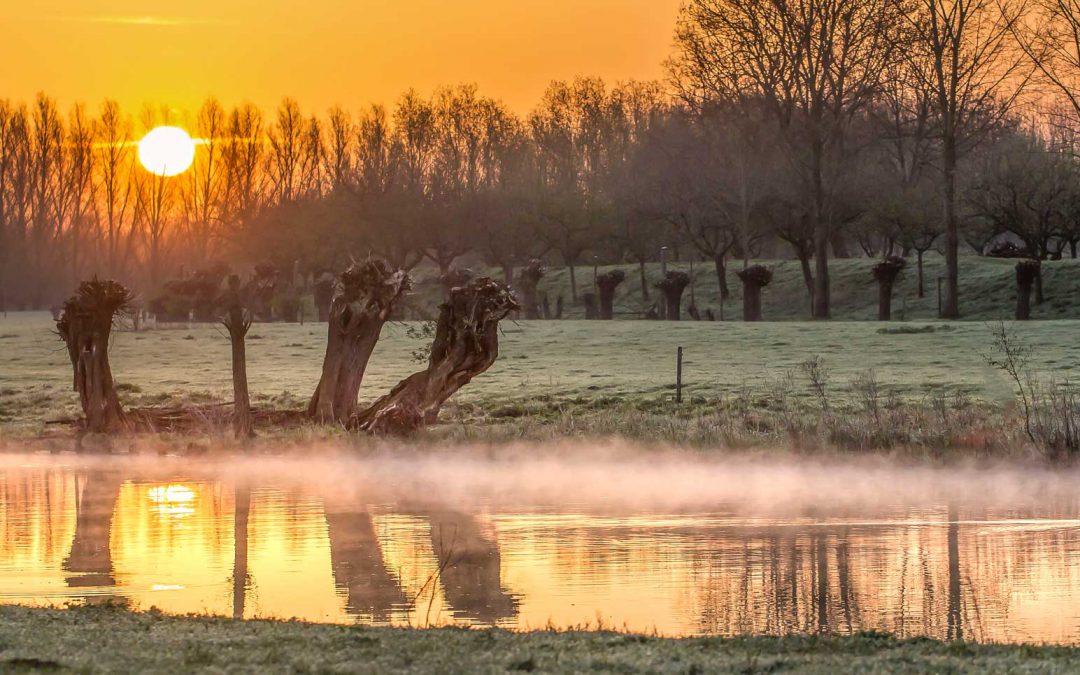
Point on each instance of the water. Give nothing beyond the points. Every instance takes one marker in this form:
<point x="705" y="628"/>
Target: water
<point x="680" y="547"/>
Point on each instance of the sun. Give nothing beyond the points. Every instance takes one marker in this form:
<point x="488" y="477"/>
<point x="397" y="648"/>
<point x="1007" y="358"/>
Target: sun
<point x="167" y="151"/>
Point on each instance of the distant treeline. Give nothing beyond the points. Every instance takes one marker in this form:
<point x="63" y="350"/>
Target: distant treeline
<point x="809" y="128"/>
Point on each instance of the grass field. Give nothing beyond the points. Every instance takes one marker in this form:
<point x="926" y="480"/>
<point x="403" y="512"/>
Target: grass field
<point x="109" y="639"/>
<point x="543" y="366"/>
<point x="987" y="290"/>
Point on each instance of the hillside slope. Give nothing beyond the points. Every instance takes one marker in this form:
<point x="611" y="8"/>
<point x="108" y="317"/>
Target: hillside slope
<point x="987" y="290"/>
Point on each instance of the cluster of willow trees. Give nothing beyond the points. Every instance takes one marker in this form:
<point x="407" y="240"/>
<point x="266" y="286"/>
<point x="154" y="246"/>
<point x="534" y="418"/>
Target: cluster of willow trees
<point x="465" y="344"/>
<point x="804" y="128"/>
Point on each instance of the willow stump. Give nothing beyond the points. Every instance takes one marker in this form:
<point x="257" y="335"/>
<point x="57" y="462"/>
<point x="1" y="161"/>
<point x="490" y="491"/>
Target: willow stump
<point x="368" y="292"/>
<point x="754" y="278"/>
<point x="458" y="276"/>
<point x="85" y="326"/>
<point x="606" y="283"/>
<point x="672" y="286"/>
<point x="1027" y="272"/>
<point x="528" y="279"/>
<point x="885" y="273"/>
<point x="466" y="344"/>
<point x="236" y="318"/>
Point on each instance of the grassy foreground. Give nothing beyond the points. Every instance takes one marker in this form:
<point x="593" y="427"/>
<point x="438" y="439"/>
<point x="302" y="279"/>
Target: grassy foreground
<point x="108" y="639"/>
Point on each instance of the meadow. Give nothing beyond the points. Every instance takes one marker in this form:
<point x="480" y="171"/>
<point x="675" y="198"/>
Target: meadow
<point x="600" y="378"/>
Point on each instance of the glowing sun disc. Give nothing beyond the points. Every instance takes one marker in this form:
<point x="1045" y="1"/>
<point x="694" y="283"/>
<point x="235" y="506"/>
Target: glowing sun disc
<point x="166" y="151"/>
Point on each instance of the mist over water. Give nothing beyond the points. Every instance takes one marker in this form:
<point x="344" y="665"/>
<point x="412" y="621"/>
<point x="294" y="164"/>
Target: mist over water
<point x="573" y="534"/>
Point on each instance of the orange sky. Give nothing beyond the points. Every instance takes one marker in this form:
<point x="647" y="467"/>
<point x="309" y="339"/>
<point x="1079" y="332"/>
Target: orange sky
<point x="321" y="52"/>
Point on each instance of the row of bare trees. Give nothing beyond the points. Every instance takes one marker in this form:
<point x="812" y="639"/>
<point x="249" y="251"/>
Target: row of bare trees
<point x="812" y="128"/>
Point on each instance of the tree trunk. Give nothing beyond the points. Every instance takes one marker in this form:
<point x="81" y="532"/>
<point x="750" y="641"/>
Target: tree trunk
<point x="721" y="276"/>
<point x="573" y="282"/>
<point x="950" y="308"/>
<point x="85" y="327"/>
<point x="886" y="272"/>
<point x="237" y="322"/>
<point x="807" y="274"/>
<point x="754" y="278"/>
<point x="1027" y="272"/>
<point x="466" y="344"/>
<point x="645" y="281"/>
<point x="821" y="237"/>
<point x="751" y="302"/>
<point x="369" y="292"/>
<point x="885" y="301"/>
<point x="672" y="286"/>
<point x="528" y="279"/>
<point x="606" y="284"/>
<point x="922" y="288"/>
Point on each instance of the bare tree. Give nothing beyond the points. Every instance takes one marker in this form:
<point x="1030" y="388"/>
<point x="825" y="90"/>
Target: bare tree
<point x="116" y="163"/>
<point x="814" y="63"/>
<point x="962" y="53"/>
<point x="205" y="185"/>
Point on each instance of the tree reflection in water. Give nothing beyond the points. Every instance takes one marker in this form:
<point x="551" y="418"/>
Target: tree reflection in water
<point x="90" y="560"/>
<point x="950" y="570"/>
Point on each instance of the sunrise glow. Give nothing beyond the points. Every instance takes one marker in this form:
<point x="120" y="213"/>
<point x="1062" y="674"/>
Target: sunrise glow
<point x="167" y="151"/>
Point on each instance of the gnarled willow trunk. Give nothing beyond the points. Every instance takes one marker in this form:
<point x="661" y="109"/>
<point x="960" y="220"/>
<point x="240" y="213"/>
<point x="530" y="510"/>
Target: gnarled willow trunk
<point x="528" y="279"/>
<point x="1027" y="271"/>
<point x="672" y="286"/>
<point x="885" y="272"/>
<point x="466" y="344"/>
<point x="237" y="320"/>
<point x="368" y="292"/>
<point x="754" y="278"/>
<point x="85" y="327"/>
<point x="606" y="283"/>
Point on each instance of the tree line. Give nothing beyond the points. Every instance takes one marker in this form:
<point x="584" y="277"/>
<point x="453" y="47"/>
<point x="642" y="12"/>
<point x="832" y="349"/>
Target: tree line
<point x="804" y="128"/>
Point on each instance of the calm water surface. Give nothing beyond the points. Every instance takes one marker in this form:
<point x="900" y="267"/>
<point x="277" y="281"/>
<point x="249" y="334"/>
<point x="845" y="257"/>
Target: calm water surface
<point x="680" y="548"/>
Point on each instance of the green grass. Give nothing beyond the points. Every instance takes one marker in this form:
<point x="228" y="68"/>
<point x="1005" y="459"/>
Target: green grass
<point x="109" y="639"/>
<point x="987" y="290"/>
<point x="546" y="369"/>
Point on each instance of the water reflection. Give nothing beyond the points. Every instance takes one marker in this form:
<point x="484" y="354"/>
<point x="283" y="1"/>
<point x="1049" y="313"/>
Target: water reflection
<point x="268" y="545"/>
<point x="90" y="559"/>
<point x="371" y="590"/>
<point x="471" y="568"/>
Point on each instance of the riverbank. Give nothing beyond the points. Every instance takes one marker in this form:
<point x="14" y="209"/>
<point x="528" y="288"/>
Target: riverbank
<point x="112" y="639"/>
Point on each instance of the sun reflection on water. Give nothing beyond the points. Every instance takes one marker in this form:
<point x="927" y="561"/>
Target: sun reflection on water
<point x="284" y="549"/>
<point x="172" y="501"/>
